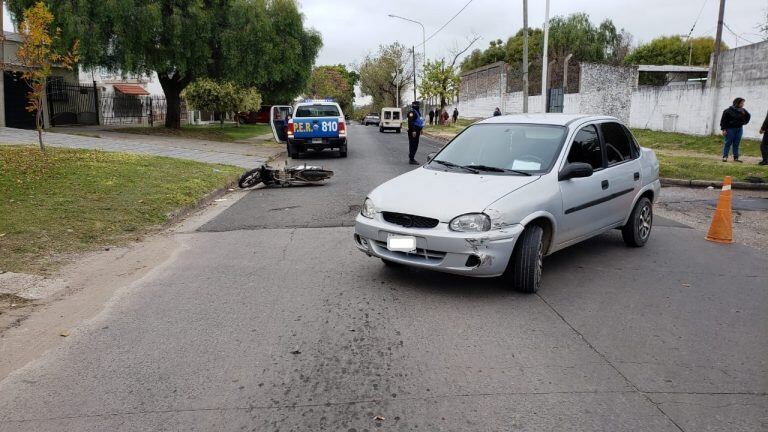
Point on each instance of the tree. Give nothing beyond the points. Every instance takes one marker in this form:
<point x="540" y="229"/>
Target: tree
<point x="333" y="82"/>
<point x="440" y="81"/>
<point x="763" y="27"/>
<point x="221" y="97"/>
<point x="674" y="50"/>
<point x="39" y="52"/>
<point x="386" y="76"/>
<point x="261" y="43"/>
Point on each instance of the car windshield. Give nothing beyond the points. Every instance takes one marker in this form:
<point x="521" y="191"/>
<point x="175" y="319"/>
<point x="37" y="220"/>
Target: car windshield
<point x="317" y="111"/>
<point x="503" y="148"/>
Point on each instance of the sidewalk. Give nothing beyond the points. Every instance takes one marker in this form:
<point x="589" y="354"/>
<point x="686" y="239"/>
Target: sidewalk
<point x="241" y="155"/>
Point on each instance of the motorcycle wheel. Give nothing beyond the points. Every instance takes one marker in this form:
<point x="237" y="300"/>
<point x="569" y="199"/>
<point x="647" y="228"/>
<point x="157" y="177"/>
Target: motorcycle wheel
<point x="250" y="178"/>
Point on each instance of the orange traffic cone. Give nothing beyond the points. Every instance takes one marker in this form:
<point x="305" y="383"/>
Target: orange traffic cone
<point x="721" y="230"/>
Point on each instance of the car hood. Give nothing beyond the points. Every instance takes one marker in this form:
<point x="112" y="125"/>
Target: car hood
<point x="444" y="195"/>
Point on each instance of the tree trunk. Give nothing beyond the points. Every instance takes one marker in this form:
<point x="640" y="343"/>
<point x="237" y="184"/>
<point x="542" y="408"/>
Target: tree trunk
<point x="39" y="125"/>
<point x="172" y="86"/>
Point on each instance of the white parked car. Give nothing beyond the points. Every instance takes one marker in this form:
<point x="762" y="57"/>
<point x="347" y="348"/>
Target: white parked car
<point x="509" y="190"/>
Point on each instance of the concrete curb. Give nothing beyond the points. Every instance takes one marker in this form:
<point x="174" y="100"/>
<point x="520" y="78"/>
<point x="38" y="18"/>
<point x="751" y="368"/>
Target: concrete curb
<point x="439" y="138"/>
<point x="178" y="215"/>
<point x="708" y="183"/>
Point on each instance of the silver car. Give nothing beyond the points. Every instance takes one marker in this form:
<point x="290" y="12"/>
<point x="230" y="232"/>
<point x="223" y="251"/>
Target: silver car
<point x="509" y="190"/>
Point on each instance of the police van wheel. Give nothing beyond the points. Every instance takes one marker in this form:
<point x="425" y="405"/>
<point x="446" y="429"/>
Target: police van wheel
<point x="398" y="130"/>
<point x="343" y="152"/>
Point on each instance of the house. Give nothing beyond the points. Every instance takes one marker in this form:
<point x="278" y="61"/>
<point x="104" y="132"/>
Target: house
<point x="13" y="89"/>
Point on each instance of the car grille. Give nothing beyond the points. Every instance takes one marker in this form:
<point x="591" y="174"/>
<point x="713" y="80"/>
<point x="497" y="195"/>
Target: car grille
<point x="410" y="221"/>
<point x="423" y="255"/>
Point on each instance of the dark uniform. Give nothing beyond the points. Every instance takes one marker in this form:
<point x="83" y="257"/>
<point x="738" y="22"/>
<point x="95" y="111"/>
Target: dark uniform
<point x="414" y="132"/>
<point x="764" y="144"/>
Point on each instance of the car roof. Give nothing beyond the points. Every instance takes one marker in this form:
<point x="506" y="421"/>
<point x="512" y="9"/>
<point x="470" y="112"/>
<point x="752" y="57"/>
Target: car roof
<point x="545" y="119"/>
<point x="316" y="102"/>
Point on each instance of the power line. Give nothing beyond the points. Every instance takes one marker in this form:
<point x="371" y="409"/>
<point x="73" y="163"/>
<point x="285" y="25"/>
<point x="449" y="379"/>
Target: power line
<point x="697" y="17"/>
<point x="448" y="22"/>
<point x="736" y="34"/>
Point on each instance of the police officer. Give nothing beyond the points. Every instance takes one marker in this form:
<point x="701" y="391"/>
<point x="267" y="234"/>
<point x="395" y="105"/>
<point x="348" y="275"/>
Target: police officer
<point x="415" y="124"/>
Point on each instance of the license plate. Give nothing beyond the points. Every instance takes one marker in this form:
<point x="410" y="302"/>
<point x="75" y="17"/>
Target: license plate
<point x="397" y="243"/>
<point x="317" y="140"/>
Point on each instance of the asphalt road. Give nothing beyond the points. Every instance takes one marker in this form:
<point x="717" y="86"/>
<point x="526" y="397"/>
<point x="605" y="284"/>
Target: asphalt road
<point x="268" y="319"/>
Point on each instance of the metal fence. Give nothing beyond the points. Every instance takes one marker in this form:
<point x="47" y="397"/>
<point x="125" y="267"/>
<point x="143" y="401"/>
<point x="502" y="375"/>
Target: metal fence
<point x="72" y="104"/>
<point x="119" y="109"/>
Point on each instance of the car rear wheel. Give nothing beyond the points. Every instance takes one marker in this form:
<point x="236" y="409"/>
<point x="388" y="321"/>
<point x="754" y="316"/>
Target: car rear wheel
<point x="637" y="231"/>
<point x="381" y="129"/>
<point x="525" y="264"/>
<point x="343" y="151"/>
<point x="398" y="130"/>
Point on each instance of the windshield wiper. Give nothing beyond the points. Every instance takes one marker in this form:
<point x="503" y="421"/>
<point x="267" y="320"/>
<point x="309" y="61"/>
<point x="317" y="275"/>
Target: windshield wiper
<point x="453" y="165"/>
<point x="497" y="169"/>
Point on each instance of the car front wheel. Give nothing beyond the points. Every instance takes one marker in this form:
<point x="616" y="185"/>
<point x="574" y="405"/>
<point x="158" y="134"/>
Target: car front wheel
<point x="526" y="262"/>
<point x="637" y="231"/>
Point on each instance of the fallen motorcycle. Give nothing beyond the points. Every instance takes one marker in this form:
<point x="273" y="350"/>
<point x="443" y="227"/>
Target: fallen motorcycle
<point x="284" y="176"/>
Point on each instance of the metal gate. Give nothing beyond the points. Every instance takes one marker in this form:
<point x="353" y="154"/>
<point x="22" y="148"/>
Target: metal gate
<point x="555" y="100"/>
<point x="72" y="104"/>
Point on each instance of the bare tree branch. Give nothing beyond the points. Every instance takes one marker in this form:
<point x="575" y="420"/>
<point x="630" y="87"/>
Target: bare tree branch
<point x="456" y="55"/>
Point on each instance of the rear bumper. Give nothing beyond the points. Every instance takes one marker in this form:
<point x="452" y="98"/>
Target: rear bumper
<point x="325" y="143"/>
<point x="472" y="254"/>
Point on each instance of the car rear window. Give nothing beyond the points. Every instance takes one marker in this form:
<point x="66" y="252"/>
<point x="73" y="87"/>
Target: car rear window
<point x="317" y="111"/>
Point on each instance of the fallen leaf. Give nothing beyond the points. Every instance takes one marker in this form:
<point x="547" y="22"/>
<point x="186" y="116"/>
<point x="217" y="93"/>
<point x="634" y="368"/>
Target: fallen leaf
<point x="64" y="334"/>
<point x="686" y="285"/>
<point x="379" y="418"/>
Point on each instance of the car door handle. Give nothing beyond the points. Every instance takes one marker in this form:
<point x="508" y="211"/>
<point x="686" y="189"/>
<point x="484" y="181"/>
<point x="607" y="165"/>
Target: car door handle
<point x="604" y="184"/>
<point x="637" y="176"/>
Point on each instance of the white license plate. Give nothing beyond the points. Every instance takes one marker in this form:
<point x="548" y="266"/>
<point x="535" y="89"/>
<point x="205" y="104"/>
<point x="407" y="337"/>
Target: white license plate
<point x="397" y="243"/>
<point x="317" y="140"/>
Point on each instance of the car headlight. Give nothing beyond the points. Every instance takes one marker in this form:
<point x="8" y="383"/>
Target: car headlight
<point x="368" y="210"/>
<point x="473" y="222"/>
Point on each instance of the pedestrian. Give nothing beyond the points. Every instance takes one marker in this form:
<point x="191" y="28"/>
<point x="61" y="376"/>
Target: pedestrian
<point x="497" y="112"/>
<point x="764" y="144"/>
<point x="732" y="126"/>
<point x="455" y="114"/>
<point x="431" y="115"/>
<point x="445" y="116"/>
<point x="415" y="125"/>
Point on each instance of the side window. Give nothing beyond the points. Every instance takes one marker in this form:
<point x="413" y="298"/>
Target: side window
<point x="586" y="148"/>
<point x="633" y="142"/>
<point x="618" y="147"/>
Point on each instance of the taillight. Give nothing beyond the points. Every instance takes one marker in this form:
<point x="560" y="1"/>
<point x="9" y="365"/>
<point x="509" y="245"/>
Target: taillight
<point x="342" y="127"/>
<point x="290" y="128"/>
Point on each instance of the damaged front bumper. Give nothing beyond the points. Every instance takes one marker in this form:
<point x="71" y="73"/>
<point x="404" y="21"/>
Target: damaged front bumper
<point x="483" y="254"/>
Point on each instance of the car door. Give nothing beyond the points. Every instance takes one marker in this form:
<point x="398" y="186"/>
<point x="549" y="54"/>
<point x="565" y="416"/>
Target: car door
<point x="585" y="210"/>
<point x="278" y="120"/>
<point x="622" y="168"/>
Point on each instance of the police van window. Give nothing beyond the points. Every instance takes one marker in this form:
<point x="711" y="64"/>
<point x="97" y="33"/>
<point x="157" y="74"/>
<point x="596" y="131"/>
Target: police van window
<point x="396" y="115"/>
<point x="617" y="145"/>
<point x="387" y="115"/>
<point x="586" y="148"/>
<point x="317" y="111"/>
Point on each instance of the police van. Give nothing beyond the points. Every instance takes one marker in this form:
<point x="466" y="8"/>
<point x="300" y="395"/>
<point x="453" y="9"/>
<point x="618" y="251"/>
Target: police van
<point x="310" y="125"/>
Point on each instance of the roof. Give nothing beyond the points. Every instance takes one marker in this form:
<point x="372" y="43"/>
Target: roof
<point x="131" y="89"/>
<point x="545" y="119"/>
<point x="672" y="68"/>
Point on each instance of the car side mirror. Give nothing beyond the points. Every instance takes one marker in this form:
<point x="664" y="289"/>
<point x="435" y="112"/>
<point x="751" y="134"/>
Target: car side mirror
<point x="431" y="156"/>
<point x="575" y="170"/>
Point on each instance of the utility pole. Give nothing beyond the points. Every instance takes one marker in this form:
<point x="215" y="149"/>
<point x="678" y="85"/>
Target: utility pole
<point x="712" y="79"/>
<point x="544" y="61"/>
<point x="718" y="41"/>
<point x="413" y="51"/>
<point x="525" y="56"/>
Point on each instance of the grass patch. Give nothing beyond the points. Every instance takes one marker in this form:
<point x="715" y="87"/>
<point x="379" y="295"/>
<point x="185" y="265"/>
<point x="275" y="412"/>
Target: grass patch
<point x="229" y="132"/>
<point x="711" y="145"/>
<point x="67" y="201"/>
<point x="450" y="128"/>
<point x="703" y="168"/>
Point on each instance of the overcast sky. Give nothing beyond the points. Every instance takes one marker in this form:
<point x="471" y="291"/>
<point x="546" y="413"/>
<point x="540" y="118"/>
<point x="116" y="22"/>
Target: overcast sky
<point x="353" y="28"/>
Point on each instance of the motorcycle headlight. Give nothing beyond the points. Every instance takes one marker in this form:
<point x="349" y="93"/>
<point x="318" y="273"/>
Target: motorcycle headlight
<point x="368" y="210"/>
<point x="473" y="222"/>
